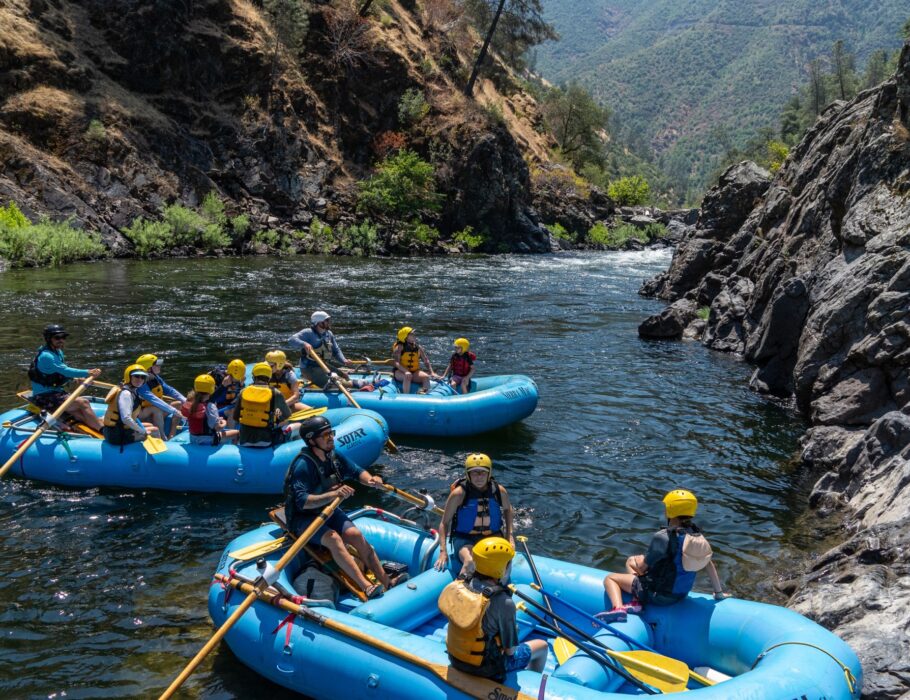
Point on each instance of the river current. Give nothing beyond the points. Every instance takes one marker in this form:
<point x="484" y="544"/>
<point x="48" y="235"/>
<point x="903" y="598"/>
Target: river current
<point x="103" y="592"/>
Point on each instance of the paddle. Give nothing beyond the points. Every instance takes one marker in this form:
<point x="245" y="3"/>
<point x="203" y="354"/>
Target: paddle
<point x="562" y="647"/>
<point x="312" y="353"/>
<point x="153" y="445"/>
<point x="425" y="502"/>
<point x="474" y="686"/>
<point x="622" y="635"/>
<point x="669" y="675"/>
<point x="47" y="424"/>
<point x="251" y="598"/>
<point x="307" y="413"/>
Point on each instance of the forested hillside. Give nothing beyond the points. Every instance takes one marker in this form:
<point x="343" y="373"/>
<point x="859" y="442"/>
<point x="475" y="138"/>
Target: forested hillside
<point x="687" y="79"/>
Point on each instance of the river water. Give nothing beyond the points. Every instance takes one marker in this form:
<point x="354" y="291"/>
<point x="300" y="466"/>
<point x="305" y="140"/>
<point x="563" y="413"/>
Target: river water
<point x="103" y="592"/>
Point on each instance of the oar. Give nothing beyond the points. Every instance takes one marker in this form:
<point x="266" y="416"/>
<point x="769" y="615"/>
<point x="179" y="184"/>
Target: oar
<point x="312" y="353"/>
<point x="474" y="686"/>
<point x="619" y="633"/>
<point x="669" y="675"/>
<point x="562" y="647"/>
<point x="250" y="599"/>
<point x="421" y="501"/>
<point x="47" y="424"/>
<point x="259" y="549"/>
<point x="307" y="413"/>
<point x="153" y="445"/>
<point x="368" y="361"/>
<point x="594" y="651"/>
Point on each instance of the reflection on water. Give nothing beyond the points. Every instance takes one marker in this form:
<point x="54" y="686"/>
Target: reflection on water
<point x="103" y="594"/>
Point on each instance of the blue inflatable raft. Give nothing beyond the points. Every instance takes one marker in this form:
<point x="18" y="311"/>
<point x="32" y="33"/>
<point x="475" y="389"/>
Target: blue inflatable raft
<point x="768" y="652"/>
<point x="83" y="461"/>
<point x="493" y="402"/>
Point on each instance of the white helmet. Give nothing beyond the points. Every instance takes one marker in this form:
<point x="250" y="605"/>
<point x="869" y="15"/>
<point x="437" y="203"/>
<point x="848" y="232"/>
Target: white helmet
<point x="319" y="317"/>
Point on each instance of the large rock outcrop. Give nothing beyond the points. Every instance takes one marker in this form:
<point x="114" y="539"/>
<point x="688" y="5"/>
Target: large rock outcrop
<point x="811" y="283"/>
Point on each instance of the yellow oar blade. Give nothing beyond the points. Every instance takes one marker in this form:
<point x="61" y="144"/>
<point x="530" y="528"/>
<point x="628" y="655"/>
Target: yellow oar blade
<point x="154" y="445"/>
<point x="307" y="413"/>
<point x="664" y="673"/>
<point x="564" y="649"/>
<point x="254" y="551"/>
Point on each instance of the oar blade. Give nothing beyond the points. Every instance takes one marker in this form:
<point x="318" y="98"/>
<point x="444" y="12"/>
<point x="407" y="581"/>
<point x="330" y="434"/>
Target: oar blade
<point x="308" y="413"/>
<point x="254" y="551"/>
<point x="154" y="445"/>
<point x="564" y="649"/>
<point x="663" y="672"/>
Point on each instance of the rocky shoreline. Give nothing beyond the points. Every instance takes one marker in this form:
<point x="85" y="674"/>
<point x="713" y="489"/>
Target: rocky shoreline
<point x="806" y="275"/>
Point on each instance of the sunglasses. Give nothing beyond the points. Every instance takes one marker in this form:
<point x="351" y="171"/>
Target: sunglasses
<point x="59" y="336"/>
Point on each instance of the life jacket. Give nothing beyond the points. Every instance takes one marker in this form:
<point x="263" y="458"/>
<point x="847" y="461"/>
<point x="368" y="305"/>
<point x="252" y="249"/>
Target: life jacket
<point x="325" y="349"/>
<point x="328" y="471"/>
<point x="461" y="364"/>
<point x="196" y="418"/>
<point x="112" y="418"/>
<point x="225" y="395"/>
<point x="477" y="505"/>
<point x="667" y="577"/>
<point x="282" y="383"/>
<point x="469" y="648"/>
<point x="257" y="406"/>
<point x="410" y="356"/>
<point x="55" y="379"/>
<point x="154" y="383"/>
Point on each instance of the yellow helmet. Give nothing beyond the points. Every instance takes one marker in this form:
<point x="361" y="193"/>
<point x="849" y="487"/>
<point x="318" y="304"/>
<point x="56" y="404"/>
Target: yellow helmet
<point x="276" y="357"/>
<point x="404" y="332"/>
<point x="147" y="361"/>
<point x="262" y="369"/>
<point x="204" y="384"/>
<point x="492" y="555"/>
<point x="462" y="343"/>
<point x="135" y="369"/>
<point x="237" y="369"/>
<point x="680" y="502"/>
<point x="478" y="461"/>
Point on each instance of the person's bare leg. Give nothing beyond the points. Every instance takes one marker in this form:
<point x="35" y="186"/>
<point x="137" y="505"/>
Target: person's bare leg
<point x="615" y="584"/>
<point x="332" y="541"/>
<point x="368" y="556"/>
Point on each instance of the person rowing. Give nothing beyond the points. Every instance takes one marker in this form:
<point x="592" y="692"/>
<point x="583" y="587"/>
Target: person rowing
<point x="319" y="338"/>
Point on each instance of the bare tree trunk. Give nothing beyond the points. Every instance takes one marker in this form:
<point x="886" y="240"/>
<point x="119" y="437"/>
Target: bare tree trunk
<point x="469" y="88"/>
<point x="366" y="8"/>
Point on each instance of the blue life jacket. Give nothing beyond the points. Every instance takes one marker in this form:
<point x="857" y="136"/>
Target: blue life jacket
<point x="54" y="380"/>
<point x="478" y="503"/>
<point x="668" y="577"/>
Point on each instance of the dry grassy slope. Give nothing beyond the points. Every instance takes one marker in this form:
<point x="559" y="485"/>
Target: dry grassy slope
<point x="182" y="92"/>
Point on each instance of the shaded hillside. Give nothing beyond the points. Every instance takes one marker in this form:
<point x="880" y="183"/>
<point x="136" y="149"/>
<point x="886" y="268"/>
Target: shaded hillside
<point x="673" y="72"/>
<point x="110" y="110"/>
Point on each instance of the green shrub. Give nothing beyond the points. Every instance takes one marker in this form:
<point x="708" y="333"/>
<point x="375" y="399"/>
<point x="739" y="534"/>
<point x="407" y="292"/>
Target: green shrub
<point x="149" y="237"/>
<point x="777" y="154"/>
<point x="45" y="243"/>
<point x="599" y="234"/>
<point x="654" y="231"/>
<point x="269" y="238"/>
<point x="494" y="113"/>
<point x="703" y="313"/>
<point x="240" y="224"/>
<point x="213" y="209"/>
<point x="412" y="107"/>
<point x="469" y="239"/>
<point x="629" y="191"/>
<point x="418" y="232"/>
<point x="559" y="231"/>
<point x="360" y="239"/>
<point x="96" y="132"/>
<point x="403" y="185"/>
<point x="190" y="228"/>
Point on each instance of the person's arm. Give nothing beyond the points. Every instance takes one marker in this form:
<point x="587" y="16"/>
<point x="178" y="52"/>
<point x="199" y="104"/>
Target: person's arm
<point x="452" y="502"/>
<point x="657" y="550"/>
<point x="281" y="406"/>
<point x="125" y="406"/>
<point x="449" y="370"/>
<point x="716" y="585"/>
<point x="293" y="383"/>
<point x="171" y="391"/>
<point x="426" y="359"/>
<point x="508" y="626"/>
<point x="211" y="415"/>
<point x="146" y="395"/>
<point x="50" y="363"/>
<point x="302" y="340"/>
<point x="508" y="517"/>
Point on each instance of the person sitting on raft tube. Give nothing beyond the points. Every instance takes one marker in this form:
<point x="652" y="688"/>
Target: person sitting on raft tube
<point x="121" y="424"/>
<point x="477" y="508"/>
<point x="666" y="574"/>
<point x="284" y="379"/>
<point x="406" y="356"/>
<point x="319" y="338"/>
<point x="483" y="635"/>
<point x="201" y="413"/>
<point x="314" y="479"/>
<point x="461" y="366"/>
<point x="49" y="372"/>
<point x="229" y="381"/>
<point x="262" y="412"/>
<point x="153" y="392"/>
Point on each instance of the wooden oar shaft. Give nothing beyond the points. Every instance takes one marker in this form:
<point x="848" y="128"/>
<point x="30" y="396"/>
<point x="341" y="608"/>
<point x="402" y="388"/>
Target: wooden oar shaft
<point x="411" y="498"/>
<point x="344" y="390"/>
<point x="56" y="414"/>
<point x="250" y="599"/>
<point x="475" y="686"/>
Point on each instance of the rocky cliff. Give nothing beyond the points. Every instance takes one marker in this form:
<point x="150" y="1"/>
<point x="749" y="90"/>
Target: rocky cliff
<point x="110" y="109"/>
<point x="807" y="276"/>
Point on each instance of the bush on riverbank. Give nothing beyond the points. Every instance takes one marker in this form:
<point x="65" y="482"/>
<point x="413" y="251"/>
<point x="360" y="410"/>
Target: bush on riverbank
<point x="27" y="244"/>
<point x="613" y="238"/>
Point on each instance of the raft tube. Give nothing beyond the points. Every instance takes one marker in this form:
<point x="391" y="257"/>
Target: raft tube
<point x="493" y="402"/>
<point x="90" y="462"/>
<point x="769" y="652"/>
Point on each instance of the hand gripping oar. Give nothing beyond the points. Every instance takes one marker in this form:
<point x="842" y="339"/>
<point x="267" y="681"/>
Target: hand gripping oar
<point x="474" y="686"/>
<point x="669" y="675"/>
<point x="344" y="390"/>
<point x="251" y="598"/>
<point x="619" y="633"/>
<point x="424" y="502"/>
<point x="47" y="424"/>
<point x="562" y="647"/>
